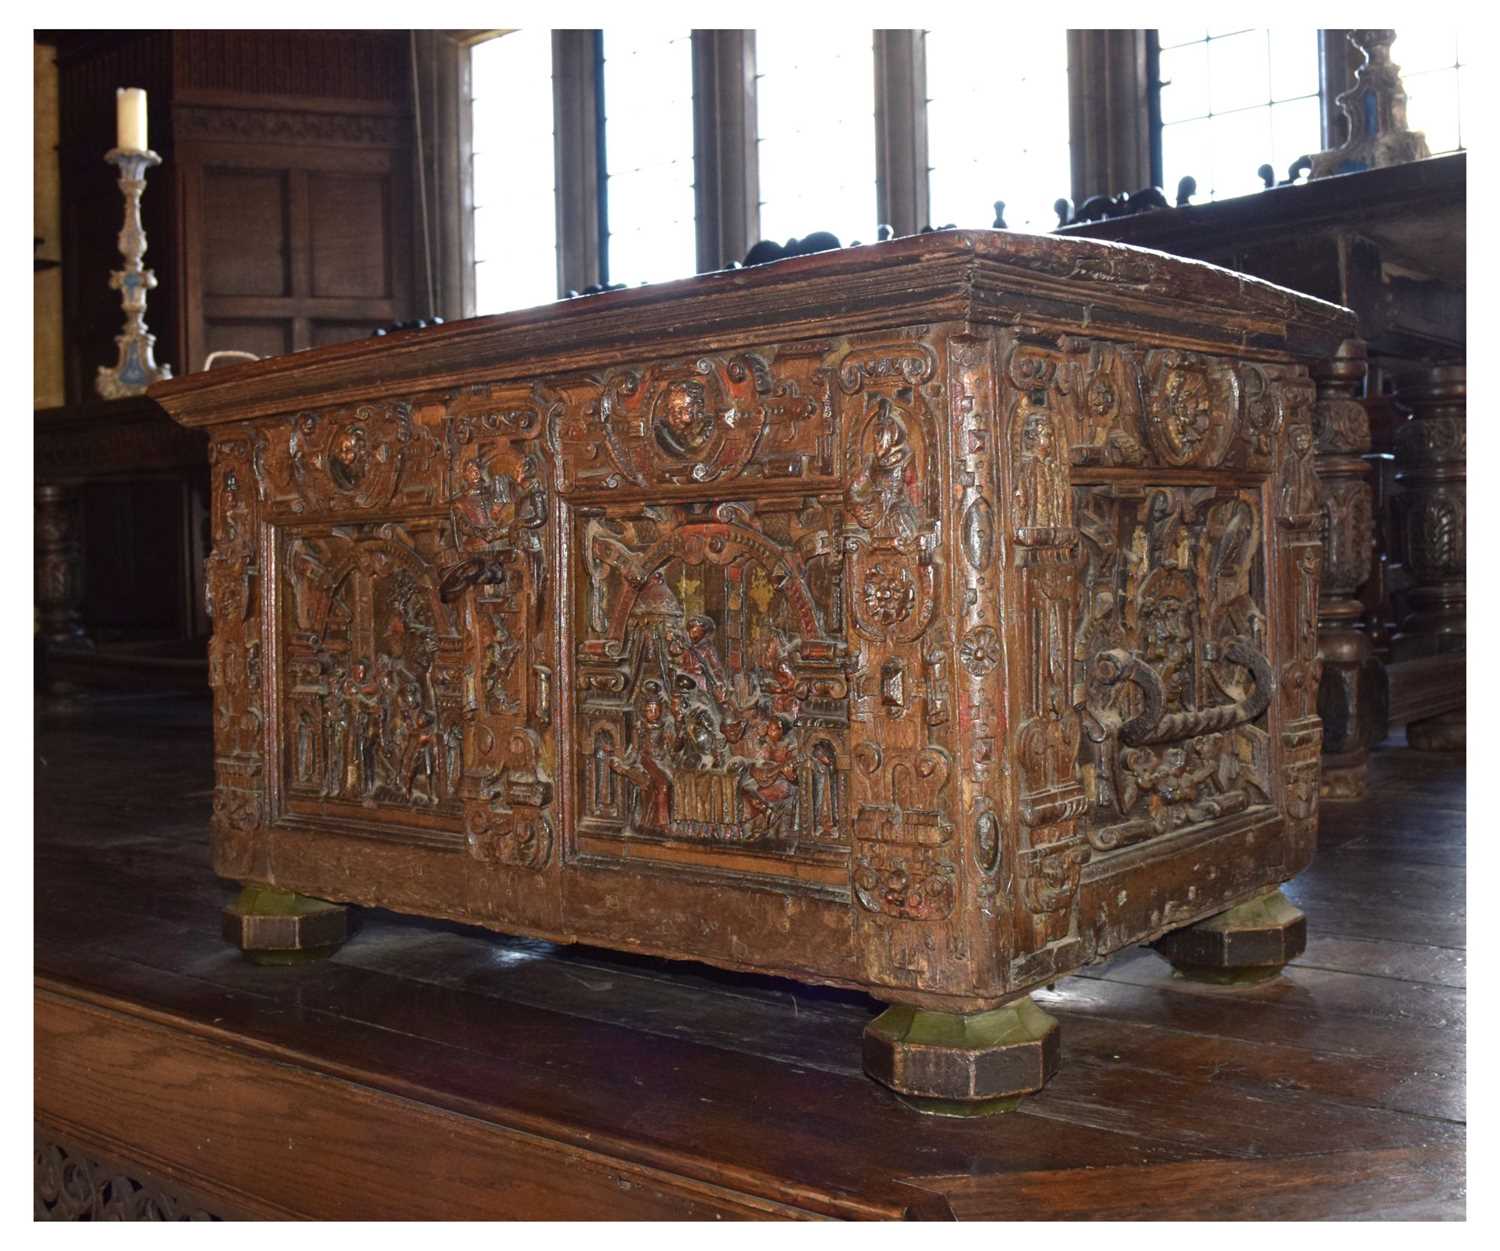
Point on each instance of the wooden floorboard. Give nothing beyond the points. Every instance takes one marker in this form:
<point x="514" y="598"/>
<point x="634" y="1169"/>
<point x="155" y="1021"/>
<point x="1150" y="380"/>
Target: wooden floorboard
<point x="433" y="1069"/>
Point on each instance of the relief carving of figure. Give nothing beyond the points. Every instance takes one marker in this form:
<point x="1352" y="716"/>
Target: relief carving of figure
<point x="1041" y="480"/>
<point x="770" y="779"/>
<point x="362" y="696"/>
<point x="649" y="764"/>
<point x="880" y="496"/>
<point x="349" y="459"/>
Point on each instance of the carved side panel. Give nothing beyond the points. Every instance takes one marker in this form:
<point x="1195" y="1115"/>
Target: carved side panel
<point x="1159" y="611"/>
<point x="232" y="587"/>
<point x="1171" y="653"/>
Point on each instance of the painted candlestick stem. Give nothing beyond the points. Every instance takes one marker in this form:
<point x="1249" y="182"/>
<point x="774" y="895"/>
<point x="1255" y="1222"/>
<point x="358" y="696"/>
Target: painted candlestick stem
<point x="136" y="369"/>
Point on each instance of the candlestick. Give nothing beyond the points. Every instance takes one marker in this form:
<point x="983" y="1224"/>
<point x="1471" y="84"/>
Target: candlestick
<point x="136" y="369"/>
<point x="130" y="119"/>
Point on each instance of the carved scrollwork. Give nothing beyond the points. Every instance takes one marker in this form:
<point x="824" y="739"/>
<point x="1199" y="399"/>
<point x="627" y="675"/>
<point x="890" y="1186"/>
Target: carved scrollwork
<point x="361" y="458"/>
<point x="69" y="1185"/>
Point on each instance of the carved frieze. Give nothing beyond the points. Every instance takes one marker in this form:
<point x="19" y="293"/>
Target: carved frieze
<point x="699" y="421"/>
<point x="356" y="459"/>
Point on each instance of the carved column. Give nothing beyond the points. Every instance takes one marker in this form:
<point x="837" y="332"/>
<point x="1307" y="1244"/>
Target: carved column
<point x="59" y="570"/>
<point x="1351" y="688"/>
<point x="1431" y="524"/>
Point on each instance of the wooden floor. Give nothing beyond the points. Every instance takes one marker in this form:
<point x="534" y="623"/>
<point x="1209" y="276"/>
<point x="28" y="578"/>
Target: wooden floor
<point x="430" y="1070"/>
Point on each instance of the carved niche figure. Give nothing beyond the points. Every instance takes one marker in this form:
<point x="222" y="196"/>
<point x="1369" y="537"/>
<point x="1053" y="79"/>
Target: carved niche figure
<point x="880" y="495"/>
<point x="1041" y="479"/>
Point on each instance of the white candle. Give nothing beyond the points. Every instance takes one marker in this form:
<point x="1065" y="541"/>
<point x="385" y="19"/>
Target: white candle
<point x="130" y="119"/>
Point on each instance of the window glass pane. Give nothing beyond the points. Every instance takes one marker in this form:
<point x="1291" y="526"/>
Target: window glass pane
<point x="1184" y="82"/>
<point x="974" y="159"/>
<point x="1234" y="101"/>
<point x="816" y="129"/>
<point x="1429" y="60"/>
<point x="1424" y="48"/>
<point x="648" y="145"/>
<point x="1294" y="63"/>
<point x="1238" y="74"/>
<point x="1432" y="107"/>
<point x="515" y="223"/>
<point x="1292" y="124"/>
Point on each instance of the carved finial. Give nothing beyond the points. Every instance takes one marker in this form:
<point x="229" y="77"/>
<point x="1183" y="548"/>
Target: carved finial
<point x="1375" y="110"/>
<point x="1064" y="210"/>
<point x="883" y="232"/>
<point x="1000" y="215"/>
<point x="1267" y="174"/>
<point x="1187" y="188"/>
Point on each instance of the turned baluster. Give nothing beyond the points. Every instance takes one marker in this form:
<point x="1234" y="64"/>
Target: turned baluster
<point x="1352" y="688"/>
<point x="59" y="570"/>
<point x="1431" y="525"/>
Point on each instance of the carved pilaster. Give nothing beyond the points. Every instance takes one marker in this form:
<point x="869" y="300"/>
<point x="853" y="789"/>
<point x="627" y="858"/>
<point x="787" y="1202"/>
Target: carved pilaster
<point x="1431" y="525"/>
<point x="1351" y="687"/>
<point x="59" y="570"/>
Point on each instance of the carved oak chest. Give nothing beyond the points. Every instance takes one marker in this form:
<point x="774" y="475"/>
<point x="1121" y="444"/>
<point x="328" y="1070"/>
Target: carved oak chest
<point x="929" y="618"/>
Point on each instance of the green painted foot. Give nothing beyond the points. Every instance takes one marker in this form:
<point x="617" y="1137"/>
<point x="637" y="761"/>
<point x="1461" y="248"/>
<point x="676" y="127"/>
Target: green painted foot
<point x="948" y="1064"/>
<point x="1249" y="943"/>
<point x="278" y="927"/>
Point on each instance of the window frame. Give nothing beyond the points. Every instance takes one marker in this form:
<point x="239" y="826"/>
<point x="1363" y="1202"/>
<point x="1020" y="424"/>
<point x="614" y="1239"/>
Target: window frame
<point x="1115" y="132"/>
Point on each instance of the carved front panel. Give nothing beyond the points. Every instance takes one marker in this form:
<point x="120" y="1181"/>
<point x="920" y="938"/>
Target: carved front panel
<point x="710" y="672"/>
<point x="372" y="667"/>
<point x="758" y="682"/>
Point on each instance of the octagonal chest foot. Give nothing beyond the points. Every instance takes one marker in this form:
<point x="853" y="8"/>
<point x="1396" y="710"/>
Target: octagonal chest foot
<point x="1251" y="942"/>
<point x="953" y="1064"/>
<point x="279" y="927"/>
